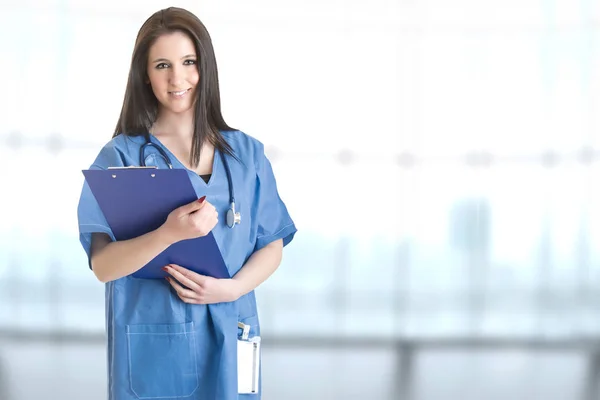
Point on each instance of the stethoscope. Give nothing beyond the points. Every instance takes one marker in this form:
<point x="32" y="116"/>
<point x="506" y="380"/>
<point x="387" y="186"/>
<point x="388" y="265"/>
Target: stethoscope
<point x="233" y="217"/>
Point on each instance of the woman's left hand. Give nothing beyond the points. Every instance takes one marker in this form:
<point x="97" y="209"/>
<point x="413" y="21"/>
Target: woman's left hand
<point x="201" y="289"/>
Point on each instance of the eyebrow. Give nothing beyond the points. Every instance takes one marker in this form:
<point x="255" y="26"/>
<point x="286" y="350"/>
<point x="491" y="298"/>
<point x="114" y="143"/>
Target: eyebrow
<point x="164" y="59"/>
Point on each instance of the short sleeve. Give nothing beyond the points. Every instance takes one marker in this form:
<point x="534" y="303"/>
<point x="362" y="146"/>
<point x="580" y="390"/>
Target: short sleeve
<point x="272" y="218"/>
<point x="89" y="215"/>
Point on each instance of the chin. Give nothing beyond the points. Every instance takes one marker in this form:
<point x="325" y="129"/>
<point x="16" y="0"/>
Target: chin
<point x="179" y="110"/>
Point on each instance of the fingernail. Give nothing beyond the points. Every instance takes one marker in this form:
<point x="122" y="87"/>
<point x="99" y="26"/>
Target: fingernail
<point x="201" y="199"/>
<point x="165" y="269"/>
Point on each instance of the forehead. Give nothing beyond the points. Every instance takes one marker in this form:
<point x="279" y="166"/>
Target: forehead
<point x="172" y="45"/>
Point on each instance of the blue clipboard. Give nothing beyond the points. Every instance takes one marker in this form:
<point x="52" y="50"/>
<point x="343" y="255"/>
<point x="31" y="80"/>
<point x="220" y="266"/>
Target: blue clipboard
<point x="137" y="200"/>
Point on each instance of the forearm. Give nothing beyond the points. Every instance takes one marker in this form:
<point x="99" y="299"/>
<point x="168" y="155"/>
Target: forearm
<point x="259" y="267"/>
<point x="114" y="260"/>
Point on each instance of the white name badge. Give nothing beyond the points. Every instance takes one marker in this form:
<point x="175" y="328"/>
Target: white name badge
<point x="248" y="365"/>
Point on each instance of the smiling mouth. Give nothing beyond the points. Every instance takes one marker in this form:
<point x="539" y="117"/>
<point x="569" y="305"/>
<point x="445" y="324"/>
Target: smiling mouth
<point x="180" y="92"/>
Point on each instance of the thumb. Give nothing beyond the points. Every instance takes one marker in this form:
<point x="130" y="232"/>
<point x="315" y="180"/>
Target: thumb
<point x="193" y="206"/>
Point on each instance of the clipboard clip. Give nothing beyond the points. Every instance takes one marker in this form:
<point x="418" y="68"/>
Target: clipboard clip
<point x="114" y="176"/>
<point x="134" y="167"/>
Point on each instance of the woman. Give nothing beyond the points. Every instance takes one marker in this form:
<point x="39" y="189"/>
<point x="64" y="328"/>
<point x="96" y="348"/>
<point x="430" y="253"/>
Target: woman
<point x="178" y="338"/>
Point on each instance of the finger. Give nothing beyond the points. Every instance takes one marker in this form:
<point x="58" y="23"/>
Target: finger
<point x="208" y="213"/>
<point x="203" y="216"/>
<point x="189" y="278"/>
<point x="208" y="209"/>
<point x="190" y="300"/>
<point x="193" y="301"/>
<point x="183" y="292"/>
<point x="193" y="206"/>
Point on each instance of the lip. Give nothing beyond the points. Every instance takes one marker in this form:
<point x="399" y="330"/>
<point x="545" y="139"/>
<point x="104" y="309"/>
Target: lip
<point x="179" y="93"/>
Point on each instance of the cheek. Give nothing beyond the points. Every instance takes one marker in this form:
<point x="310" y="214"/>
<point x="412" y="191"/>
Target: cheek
<point x="157" y="92"/>
<point x="194" y="78"/>
<point x="156" y="82"/>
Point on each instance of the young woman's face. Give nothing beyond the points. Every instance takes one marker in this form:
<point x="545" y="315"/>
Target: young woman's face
<point x="173" y="73"/>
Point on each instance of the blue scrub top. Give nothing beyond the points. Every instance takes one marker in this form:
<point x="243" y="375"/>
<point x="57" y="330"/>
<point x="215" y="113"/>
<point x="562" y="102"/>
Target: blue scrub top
<point x="159" y="346"/>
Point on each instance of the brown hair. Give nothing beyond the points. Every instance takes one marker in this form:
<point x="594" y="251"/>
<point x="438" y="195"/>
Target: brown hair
<point x="140" y="106"/>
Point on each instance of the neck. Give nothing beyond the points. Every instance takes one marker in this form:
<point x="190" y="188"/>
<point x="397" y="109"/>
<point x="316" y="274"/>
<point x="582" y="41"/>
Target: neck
<point x="174" y="125"/>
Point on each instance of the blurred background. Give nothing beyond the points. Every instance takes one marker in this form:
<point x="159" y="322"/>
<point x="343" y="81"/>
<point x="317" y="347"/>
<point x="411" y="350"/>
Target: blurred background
<point x="438" y="158"/>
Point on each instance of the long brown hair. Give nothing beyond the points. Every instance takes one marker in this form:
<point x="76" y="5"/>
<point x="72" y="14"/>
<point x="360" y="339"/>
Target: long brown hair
<point x="140" y="106"/>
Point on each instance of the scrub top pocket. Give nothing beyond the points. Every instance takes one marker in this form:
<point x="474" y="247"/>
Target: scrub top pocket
<point x="162" y="360"/>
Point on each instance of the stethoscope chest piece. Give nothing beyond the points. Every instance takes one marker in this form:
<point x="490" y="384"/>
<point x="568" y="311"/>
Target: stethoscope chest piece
<point x="233" y="217"/>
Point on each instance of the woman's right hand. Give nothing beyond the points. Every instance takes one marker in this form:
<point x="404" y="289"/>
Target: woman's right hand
<point x="190" y="221"/>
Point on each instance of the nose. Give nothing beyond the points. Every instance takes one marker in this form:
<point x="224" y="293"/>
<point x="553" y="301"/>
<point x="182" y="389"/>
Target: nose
<point x="177" y="75"/>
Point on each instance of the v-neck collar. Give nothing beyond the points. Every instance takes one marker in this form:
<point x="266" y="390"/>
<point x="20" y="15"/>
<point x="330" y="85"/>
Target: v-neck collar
<point x="176" y="161"/>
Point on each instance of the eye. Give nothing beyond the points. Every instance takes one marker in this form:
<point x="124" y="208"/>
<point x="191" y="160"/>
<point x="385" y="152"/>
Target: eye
<point x="161" y="65"/>
<point x="189" y="62"/>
